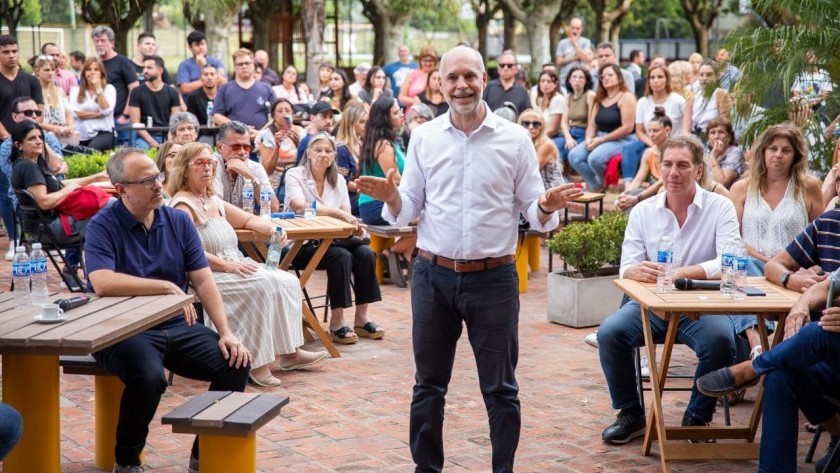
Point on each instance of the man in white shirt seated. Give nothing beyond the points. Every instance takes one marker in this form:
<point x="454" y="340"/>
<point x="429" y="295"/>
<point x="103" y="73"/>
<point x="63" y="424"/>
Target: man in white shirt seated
<point x="699" y="223"/>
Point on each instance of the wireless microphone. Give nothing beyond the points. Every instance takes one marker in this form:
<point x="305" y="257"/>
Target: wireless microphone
<point x="685" y="284"/>
<point x="72" y="302"/>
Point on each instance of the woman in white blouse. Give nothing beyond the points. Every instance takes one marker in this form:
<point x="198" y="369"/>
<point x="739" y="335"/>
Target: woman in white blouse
<point x="346" y="258"/>
<point x="550" y="102"/>
<point x="93" y="103"/>
<point x="288" y="88"/>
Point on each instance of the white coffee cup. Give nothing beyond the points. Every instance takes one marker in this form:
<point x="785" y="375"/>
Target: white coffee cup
<point x="51" y="312"/>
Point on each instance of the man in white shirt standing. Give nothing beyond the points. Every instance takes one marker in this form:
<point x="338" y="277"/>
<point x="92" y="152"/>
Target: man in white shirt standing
<point x="462" y="172"/>
<point x="700" y="223"/>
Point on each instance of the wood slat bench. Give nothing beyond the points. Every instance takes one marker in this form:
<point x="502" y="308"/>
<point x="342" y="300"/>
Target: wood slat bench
<point x="226" y="423"/>
<point x="383" y="237"/>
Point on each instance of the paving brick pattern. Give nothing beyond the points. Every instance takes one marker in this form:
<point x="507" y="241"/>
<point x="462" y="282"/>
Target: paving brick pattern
<point x="351" y="414"/>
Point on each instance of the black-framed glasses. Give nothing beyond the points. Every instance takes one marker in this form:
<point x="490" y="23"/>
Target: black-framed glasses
<point x="150" y="181"/>
<point x="506" y="65"/>
<point x="31" y="113"/>
<point x="527" y="124"/>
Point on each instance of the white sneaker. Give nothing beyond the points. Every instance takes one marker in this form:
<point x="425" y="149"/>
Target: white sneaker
<point x="591" y="339"/>
<point x="643" y="361"/>
<point x="10" y="255"/>
<point x="755" y="352"/>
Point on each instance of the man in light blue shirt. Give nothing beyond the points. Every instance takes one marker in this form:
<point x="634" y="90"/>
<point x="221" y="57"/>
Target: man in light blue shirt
<point x="189" y="71"/>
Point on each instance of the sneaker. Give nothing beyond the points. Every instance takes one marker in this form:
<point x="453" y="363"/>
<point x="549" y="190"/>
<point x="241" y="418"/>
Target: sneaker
<point x="193" y="468"/>
<point x="822" y="465"/>
<point x="10" y="255"/>
<point x="689" y="420"/>
<point x="591" y="339"/>
<point x="755" y="352"/>
<point x="643" y="363"/>
<point x="128" y="469"/>
<point x="629" y="424"/>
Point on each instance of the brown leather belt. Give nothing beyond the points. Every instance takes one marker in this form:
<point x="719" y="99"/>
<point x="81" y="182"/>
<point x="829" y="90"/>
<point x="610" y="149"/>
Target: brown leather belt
<point x="465" y="266"/>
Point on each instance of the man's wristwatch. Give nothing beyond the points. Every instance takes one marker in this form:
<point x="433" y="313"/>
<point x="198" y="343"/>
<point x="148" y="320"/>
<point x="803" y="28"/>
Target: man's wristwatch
<point x="783" y="280"/>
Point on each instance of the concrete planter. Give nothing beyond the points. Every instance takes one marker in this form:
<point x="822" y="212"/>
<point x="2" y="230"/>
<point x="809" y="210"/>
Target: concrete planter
<point x="582" y="302"/>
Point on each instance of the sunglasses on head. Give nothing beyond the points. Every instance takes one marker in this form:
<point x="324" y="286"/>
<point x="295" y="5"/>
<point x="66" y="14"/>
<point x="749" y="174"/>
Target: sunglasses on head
<point x="527" y="123"/>
<point x="31" y="113"/>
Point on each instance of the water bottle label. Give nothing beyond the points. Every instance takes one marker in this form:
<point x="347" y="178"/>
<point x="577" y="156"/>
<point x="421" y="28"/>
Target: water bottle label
<point x="664" y="257"/>
<point x="248" y="194"/>
<point x="741" y="264"/>
<point x="20" y="270"/>
<point x="727" y="260"/>
<point x="265" y="195"/>
<point x="38" y="267"/>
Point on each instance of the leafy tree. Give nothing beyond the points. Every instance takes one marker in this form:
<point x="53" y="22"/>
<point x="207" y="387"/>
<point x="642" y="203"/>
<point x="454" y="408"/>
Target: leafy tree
<point x="213" y="17"/>
<point x="484" y="11"/>
<point x="537" y="16"/>
<point x="609" y="14"/>
<point x="313" y="15"/>
<point x="120" y="15"/>
<point x="770" y="59"/>
<point x="13" y="12"/>
<point x="442" y="15"/>
<point x="260" y="13"/>
<point x="701" y="15"/>
<point x="644" y="14"/>
<point x="388" y="18"/>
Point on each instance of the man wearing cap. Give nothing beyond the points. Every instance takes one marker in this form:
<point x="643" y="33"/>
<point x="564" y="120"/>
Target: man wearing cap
<point x="321" y="115"/>
<point x="360" y="72"/>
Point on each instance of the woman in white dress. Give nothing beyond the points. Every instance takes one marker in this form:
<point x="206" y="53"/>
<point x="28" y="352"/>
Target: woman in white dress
<point x="263" y="305"/>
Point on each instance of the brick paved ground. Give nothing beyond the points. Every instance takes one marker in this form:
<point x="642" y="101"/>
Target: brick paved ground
<point x="351" y="413"/>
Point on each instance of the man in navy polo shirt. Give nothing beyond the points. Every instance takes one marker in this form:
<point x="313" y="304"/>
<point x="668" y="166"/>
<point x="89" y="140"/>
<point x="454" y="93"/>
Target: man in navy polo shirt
<point x="137" y="247"/>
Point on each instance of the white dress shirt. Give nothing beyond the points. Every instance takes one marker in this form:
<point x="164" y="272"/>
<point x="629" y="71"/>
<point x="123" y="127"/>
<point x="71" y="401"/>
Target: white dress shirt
<point x="468" y="191"/>
<point x="711" y="223"/>
<point x="331" y="197"/>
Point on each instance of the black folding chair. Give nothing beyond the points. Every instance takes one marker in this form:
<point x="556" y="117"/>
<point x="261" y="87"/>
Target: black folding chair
<point x="35" y="228"/>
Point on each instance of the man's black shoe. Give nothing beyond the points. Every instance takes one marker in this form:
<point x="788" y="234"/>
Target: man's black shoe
<point x="629" y="424"/>
<point x="690" y="421"/>
<point x="823" y="462"/>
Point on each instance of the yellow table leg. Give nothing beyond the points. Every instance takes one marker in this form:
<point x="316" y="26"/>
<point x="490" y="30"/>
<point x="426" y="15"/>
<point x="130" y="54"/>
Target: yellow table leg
<point x="222" y="454"/>
<point x="107" y="395"/>
<point x="534" y="242"/>
<point x="30" y="385"/>
<point x="522" y="265"/>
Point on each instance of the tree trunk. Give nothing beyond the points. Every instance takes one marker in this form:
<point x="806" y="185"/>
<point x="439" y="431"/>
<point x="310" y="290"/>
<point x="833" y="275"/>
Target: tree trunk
<point x="509" y="23"/>
<point x="482" y="36"/>
<point x="392" y="30"/>
<point x="701" y="39"/>
<point x="539" y="24"/>
<point x="216" y="29"/>
<point x="259" y="23"/>
<point x="313" y="16"/>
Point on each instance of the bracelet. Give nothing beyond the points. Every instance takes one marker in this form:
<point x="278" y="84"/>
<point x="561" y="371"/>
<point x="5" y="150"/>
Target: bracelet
<point x="543" y="210"/>
<point x="639" y="197"/>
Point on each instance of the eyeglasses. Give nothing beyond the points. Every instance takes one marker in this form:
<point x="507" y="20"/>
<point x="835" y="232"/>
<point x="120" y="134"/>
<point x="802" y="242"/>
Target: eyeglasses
<point x="200" y="163"/>
<point x="528" y="124"/>
<point x="243" y="64"/>
<point x="150" y="181"/>
<point x="506" y="66"/>
<point x="235" y="147"/>
<point x="31" y="113"/>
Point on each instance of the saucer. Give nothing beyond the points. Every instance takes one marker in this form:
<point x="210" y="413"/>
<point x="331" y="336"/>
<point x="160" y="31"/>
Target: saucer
<point x="40" y="320"/>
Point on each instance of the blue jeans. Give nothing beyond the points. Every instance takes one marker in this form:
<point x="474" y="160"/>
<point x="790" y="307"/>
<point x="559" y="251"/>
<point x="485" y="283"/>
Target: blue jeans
<point x="192" y="352"/>
<point x="488" y="303"/>
<point x="371" y="213"/>
<point x="11" y="427"/>
<point x="579" y="134"/>
<point x="591" y="165"/>
<point x="799" y="372"/>
<point x="712" y="338"/>
<point x="631" y="156"/>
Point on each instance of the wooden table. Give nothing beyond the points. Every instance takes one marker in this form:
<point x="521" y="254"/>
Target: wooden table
<point x="299" y="230"/>
<point x="30" y="362"/>
<point x="775" y="305"/>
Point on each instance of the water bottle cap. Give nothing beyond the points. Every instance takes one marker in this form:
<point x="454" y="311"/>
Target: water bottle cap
<point x="36" y="246"/>
<point x="248" y="181"/>
<point x="20" y="248"/>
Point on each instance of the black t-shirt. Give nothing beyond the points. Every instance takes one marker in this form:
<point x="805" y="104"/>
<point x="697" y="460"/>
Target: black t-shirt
<point x="157" y="105"/>
<point x="142" y="79"/>
<point x="495" y="95"/>
<point x="24" y="85"/>
<point x="25" y="173"/>
<point x="197" y="104"/>
<point x="121" y="74"/>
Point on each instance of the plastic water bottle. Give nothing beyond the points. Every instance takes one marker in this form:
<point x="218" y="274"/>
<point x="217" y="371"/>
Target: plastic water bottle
<point x="727" y="270"/>
<point x="740" y="272"/>
<point x="20" y="276"/>
<point x="248" y="197"/>
<point x="265" y="200"/>
<point x="210" y="121"/>
<point x="665" y="258"/>
<point x="275" y="249"/>
<point x="311" y="201"/>
<point x="38" y="273"/>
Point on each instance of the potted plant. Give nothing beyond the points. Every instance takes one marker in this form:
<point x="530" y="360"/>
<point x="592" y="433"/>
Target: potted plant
<point x="584" y="295"/>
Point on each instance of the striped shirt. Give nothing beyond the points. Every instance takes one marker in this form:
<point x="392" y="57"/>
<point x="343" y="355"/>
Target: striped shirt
<point x="819" y="243"/>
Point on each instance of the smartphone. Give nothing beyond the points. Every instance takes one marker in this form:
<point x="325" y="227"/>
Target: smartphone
<point x="288" y="119"/>
<point x="754" y="291"/>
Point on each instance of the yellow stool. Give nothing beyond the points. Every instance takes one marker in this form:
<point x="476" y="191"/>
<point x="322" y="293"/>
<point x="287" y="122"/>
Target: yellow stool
<point x="527" y="257"/>
<point x="378" y="244"/>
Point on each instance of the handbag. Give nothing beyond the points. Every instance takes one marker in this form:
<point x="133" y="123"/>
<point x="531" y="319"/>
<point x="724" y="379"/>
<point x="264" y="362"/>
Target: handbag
<point x="81" y="204"/>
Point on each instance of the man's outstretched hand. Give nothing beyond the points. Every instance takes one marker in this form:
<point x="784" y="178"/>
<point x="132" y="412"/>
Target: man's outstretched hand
<point x="558" y="197"/>
<point x="383" y="189"/>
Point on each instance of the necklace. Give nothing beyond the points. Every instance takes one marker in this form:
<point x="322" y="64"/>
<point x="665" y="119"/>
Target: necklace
<point x="204" y="202"/>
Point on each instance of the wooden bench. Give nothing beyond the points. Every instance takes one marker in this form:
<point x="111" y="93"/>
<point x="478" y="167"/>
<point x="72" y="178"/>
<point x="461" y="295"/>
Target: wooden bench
<point x="226" y="423"/>
<point x="383" y="237"/>
<point x="106" y="405"/>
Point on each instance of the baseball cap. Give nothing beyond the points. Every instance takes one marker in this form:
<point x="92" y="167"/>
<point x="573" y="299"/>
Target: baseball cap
<point x="321" y="107"/>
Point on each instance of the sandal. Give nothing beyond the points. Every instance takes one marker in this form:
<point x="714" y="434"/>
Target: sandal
<point x="268" y="381"/>
<point x="344" y="336"/>
<point x="370" y="330"/>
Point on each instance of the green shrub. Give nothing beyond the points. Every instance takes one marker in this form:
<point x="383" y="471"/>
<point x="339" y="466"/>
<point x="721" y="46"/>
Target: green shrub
<point x="587" y="247"/>
<point x="83" y="165"/>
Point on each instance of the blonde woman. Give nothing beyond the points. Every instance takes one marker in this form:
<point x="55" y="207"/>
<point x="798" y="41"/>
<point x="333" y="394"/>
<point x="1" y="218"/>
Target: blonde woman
<point x="58" y="117"/>
<point x="547" y="154"/>
<point x="682" y="76"/>
<point x="263" y="306"/>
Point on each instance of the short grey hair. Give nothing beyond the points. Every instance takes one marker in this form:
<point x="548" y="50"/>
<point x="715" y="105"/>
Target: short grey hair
<point x="180" y="118"/>
<point x="420" y="110"/>
<point x="233" y="126"/>
<point x="103" y="30"/>
<point x="116" y="164"/>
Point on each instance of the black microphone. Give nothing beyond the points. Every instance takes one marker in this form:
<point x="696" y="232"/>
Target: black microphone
<point x="72" y="302"/>
<point x="685" y="284"/>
